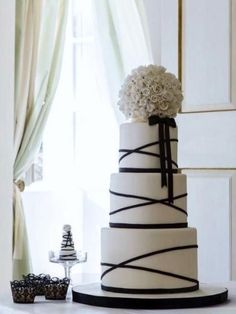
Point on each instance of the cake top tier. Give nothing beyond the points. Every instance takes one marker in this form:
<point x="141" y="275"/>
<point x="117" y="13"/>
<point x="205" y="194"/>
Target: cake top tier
<point x="67" y="228"/>
<point x="150" y="90"/>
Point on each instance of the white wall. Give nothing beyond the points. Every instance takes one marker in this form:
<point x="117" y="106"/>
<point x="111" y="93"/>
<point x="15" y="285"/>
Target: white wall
<point x="207" y="146"/>
<point x="7" y="29"/>
<point x="162" y="22"/>
<point x="153" y="13"/>
<point x="207" y="132"/>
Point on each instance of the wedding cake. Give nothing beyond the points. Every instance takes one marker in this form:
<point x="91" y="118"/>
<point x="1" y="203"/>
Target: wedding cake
<point x="148" y="247"/>
<point x="148" y="252"/>
<point x="67" y="251"/>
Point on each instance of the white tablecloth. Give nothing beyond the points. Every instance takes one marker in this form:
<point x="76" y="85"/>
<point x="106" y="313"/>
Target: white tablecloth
<point x="42" y="306"/>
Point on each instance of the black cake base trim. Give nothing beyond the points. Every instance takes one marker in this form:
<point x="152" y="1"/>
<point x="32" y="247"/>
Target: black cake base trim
<point x="148" y="226"/>
<point x="147" y="170"/>
<point x="150" y="291"/>
<point x="91" y="294"/>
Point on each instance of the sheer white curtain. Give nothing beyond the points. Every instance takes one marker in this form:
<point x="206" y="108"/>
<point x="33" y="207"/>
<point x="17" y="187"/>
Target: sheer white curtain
<point x="121" y="43"/>
<point x="105" y="40"/>
<point x="122" y="39"/>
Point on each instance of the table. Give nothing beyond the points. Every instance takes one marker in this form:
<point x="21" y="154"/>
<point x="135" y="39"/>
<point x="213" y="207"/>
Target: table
<point x="42" y="306"/>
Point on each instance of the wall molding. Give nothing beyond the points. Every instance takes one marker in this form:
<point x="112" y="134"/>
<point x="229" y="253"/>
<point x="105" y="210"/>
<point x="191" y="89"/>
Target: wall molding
<point x="231" y="106"/>
<point x="230" y="211"/>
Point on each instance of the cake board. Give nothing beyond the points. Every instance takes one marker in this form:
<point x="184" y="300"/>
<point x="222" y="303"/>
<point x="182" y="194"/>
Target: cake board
<point x="92" y="294"/>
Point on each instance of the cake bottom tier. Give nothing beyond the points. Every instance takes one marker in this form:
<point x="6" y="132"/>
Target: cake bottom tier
<point x="149" y="261"/>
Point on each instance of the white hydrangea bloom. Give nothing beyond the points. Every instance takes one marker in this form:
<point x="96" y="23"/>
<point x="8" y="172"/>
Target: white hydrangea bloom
<point x="150" y="90"/>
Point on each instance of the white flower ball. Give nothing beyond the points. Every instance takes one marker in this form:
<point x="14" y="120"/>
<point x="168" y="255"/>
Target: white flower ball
<point x="150" y="90"/>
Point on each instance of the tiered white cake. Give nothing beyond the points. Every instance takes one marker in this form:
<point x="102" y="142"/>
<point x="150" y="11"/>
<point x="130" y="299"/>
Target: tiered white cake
<point x="67" y="251"/>
<point x="149" y="247"/>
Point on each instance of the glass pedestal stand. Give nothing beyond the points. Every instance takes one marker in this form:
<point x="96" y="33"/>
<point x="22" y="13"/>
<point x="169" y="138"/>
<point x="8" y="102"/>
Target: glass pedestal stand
<point x="67" y="265"/>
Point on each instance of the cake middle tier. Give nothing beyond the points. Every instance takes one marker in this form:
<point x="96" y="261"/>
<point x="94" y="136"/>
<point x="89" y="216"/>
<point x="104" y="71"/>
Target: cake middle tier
<point x="137" y="200"/>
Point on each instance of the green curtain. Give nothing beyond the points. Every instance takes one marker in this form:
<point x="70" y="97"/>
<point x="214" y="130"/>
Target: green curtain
<point x="40" y="32"/>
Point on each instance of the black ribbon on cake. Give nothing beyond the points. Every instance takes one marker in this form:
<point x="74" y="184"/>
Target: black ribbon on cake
<point x="127" y="265"/>
<point x="165" y="151"/>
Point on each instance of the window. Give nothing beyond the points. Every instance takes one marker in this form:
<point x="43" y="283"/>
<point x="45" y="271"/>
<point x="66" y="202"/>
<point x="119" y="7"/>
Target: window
<point x="80" y="150"/>
<point x="80" y="147"/>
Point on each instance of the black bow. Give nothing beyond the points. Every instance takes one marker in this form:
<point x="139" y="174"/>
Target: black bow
<point x="165" y="151"/>
<point x="156" y="119"/>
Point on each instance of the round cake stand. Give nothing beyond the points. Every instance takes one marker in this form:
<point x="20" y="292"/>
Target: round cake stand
<point x="92" y="294"/>
<point x="67" y="265"/>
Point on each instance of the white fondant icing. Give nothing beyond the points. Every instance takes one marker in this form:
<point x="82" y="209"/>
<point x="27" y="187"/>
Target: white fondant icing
<point x="119" y="245"/>
<point x="136" y="134"/>
<point x="146" y="185"/>
<point x="67" y="251"/>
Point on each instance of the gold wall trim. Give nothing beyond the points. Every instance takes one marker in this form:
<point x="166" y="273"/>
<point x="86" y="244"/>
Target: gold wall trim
<point x="180" y="37"/>
<point x="207" y="111"/>
<point x="225" y="107"/>
<point x="233" y="51"/>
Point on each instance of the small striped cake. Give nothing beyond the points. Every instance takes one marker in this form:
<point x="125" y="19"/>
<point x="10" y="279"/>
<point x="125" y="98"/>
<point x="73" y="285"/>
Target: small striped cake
<point x="67" y="251"/>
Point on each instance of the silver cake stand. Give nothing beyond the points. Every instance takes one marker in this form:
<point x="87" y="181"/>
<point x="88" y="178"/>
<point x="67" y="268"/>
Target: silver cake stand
<point x="67" y="265"/>
<point x="92" y="294"/>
